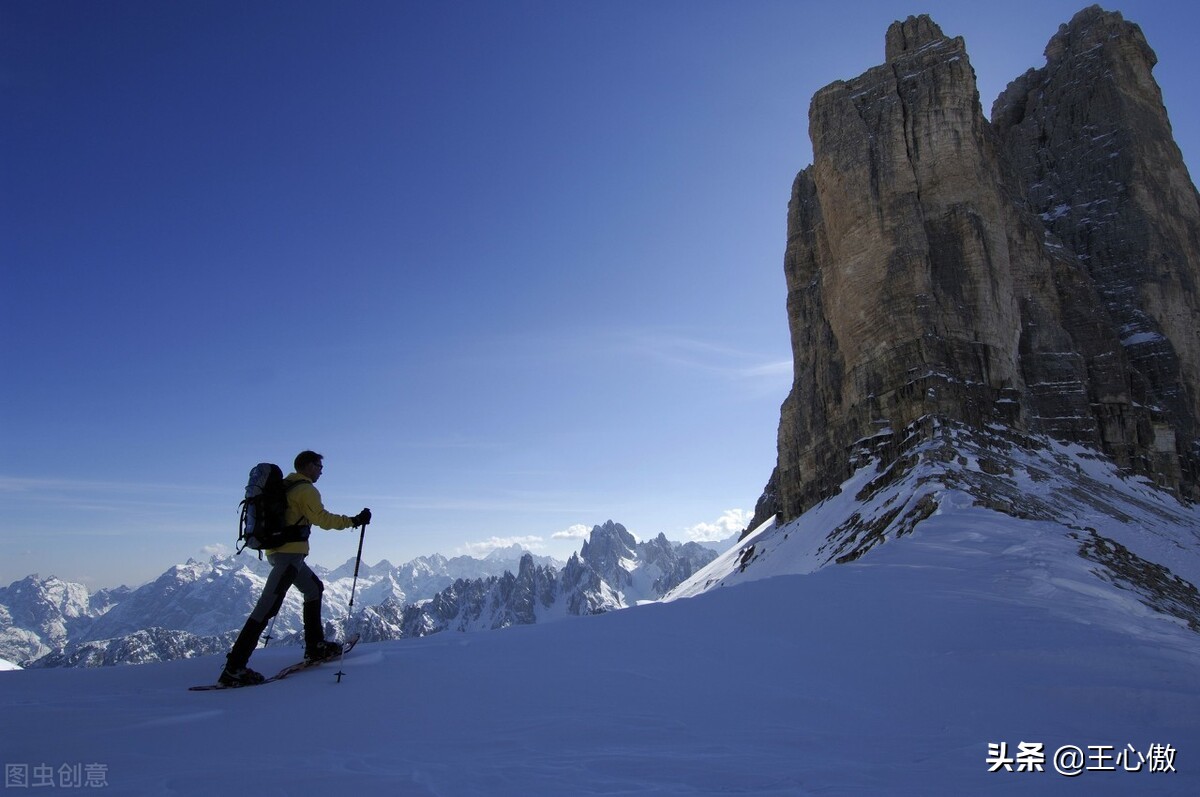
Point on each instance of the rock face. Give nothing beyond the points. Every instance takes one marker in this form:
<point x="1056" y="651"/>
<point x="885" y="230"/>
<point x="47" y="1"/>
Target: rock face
<point x="942" y="269"/>
<point x="1091" y="141"/>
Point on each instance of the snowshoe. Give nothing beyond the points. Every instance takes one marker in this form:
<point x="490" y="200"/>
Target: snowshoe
<point x="322" y="651"/>
<point x="240" y="676"/>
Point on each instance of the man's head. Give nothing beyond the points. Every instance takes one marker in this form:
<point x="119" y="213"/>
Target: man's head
<point x="308" y="463"/>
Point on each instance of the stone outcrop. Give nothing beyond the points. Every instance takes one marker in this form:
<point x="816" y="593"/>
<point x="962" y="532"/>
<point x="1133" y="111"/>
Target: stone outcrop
<point x="1089" y="136"/>
<point x="945" y="269"/>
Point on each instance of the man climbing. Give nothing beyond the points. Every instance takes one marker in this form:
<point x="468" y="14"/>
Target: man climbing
<point x="304" y="510"/>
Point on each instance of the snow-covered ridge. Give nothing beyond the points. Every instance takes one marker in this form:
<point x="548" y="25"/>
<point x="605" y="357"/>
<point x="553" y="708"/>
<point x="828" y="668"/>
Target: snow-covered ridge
<point x="1061" y="516"/>
<point x="196" y="608"/>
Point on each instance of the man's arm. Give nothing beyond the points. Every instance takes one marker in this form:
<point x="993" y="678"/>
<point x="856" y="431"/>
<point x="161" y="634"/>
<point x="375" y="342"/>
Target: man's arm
<point x="308" y="503"/>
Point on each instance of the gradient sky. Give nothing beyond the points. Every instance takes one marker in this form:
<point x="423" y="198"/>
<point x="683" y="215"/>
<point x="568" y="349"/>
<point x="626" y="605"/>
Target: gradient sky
<point x="514" y="268"/>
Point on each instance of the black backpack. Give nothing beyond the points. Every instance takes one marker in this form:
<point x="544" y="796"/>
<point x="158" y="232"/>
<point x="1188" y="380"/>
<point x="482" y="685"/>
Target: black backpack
<point x="262" y="525"/>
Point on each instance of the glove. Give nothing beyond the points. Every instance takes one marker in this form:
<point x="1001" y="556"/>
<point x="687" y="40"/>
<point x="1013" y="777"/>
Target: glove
<point x="362" y="518"/>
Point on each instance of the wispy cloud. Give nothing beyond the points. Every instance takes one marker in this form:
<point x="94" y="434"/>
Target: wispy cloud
<point x="483" y="548"/>
<point x="666" y="347"/>
<point x="100" y="495"/>
<point x="20" y="484"/>
<point x="707" y="356"/>
<point x="523" y="502"/>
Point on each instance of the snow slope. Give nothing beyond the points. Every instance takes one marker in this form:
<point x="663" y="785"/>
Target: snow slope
<point x="900" y="672"/>
<point x="1051" y="499"/>
<point x="889" y="676"/>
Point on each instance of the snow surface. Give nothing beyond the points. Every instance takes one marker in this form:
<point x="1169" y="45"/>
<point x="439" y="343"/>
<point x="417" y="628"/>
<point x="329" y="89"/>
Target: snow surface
<point x="890" y="675"/>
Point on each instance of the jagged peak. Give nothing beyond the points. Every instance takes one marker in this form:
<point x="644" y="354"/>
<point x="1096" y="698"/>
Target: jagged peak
<point x="1091" y="28"/>
<point x="608" y="537"/>
<point x="911" y="34"/>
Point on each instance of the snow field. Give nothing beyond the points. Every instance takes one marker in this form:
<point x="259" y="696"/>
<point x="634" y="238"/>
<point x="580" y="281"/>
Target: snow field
<point x="890" y="677"/>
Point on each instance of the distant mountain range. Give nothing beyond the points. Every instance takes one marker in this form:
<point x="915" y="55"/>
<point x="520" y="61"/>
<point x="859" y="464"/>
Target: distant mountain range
<point x="196" y="608"/>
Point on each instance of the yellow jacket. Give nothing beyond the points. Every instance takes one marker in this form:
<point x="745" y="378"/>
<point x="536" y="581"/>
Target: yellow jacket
<point x="304" y="506"/>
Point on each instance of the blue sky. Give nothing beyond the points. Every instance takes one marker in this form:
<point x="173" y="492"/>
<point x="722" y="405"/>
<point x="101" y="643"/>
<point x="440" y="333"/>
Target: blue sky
<point x="515" y="268"/>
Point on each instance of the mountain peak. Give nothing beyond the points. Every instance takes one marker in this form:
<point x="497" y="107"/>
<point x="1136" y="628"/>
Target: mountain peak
<point x="607" y="546"/>
<point x="911" y="34"/>
<point x="1094" y="27"/>
<point x="1040" y="274"/>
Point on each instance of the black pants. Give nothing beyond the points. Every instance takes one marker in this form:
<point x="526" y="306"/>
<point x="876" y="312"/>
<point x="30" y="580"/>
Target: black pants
<point x="287" y="569"/>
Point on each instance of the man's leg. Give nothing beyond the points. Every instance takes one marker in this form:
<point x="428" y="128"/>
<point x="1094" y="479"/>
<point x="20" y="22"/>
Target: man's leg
<point x="311" y="587"/>
<point x="283" y="575"/>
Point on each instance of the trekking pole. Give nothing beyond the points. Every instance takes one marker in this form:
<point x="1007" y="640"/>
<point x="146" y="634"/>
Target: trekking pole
<point x="353" y="586"/>
<point x="270" y="628"/>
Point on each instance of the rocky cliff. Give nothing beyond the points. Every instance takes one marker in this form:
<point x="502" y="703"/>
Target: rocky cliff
<point x="1091" y="142"/>
<point x="1038" y="274"/>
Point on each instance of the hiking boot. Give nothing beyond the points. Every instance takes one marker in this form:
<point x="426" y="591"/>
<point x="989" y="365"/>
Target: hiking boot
<point x="239" y="676"/>
<point x="320" y="651"/>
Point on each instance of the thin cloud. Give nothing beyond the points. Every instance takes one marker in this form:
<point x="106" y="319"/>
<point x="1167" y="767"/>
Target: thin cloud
<point x="106" y="496"/>
<point x="483" y="548"/>
<point x="16" y="484"/>
<point x="709" y="357"/>
<point x="679" y="350"/>
<point x="549" y="503"/>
